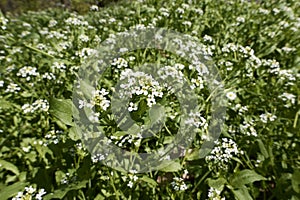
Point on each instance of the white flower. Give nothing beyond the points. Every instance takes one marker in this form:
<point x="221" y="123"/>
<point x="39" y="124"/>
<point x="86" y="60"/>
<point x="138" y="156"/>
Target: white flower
<point x="132" y="107"/>
<point x="94" y="117"/>
<point x="240" y="19"/>
<point x="26" y="149"/>
<point x="288" y="97"/>
<point x="94" y="8"/>
<point x="187" y="23"/>
<point x="41" y="104"/>
<point x="130" y="184"/>
<point x="59" y="65"/>
<point x="13" y="88"/>
<point x="84" y="38"/>
<point x="1" y="83"/>
<point x="207" y="38"/>
<point x="98" y="157"/>
<point x="267" y="117"/>
<point x="82" y="103"/>
<point x="180" y="10"/>
<point x="198" y="11"/>
<point x="231" y="95"/>
<point x="39" y="195"/>
<point x="120" y="62"/>
<point x="178" y="184"/>
<point x="30" y="189"/>
<point x="214" y="194"/>
<point x="27" y="71"/>
<point x="52" y="23"/>
<point x="223" y="152"/>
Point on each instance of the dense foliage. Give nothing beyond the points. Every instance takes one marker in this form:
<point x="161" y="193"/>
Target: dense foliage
<point x="255" y="46"/>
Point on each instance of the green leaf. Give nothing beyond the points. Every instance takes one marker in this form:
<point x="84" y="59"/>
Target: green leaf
<point x="73" y="134"/>
<point x="263" y="148"/>
<point x="99" y="197"/>
<point x="4" y="104"/>
<point x="242" y="194"/>
<point x="9" y="166"/>
<point x="151" y="182"/>
<point x="43" y="151"/>
<point x="296" y="181"/>
<point x="60" y="193"/>
<point x="217" y="183"/>
<point x="244" y="177"/>
<point x="197" y="154"/>
<point x="156" y="114"/>
<point x="62" y="110"/>
<point x="170" y="166"/>
<point x="12" y="190"/>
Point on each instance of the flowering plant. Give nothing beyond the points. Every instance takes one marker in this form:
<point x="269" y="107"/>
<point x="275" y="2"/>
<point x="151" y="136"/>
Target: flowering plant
<point x="48" y="150"/>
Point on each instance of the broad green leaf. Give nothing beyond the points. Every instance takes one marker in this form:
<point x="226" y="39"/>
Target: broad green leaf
<point x="60" y="193"/>
<point x="242" y="194"/>
<point x="217" y="183"/>
<point x="296" y="181"/>
<point x="262" y="148"/>
<point x="99" y="197"/>
<point x="156" y="114"/>
<point x="245" y="177"/>
<point x="43" y="151"/>
<point x="12" y="190"/>
<point x="295" y="198"/>
<point x="73" y="134"/>
<point x="4" y="104"/>
<point x="151" y="182"/>
<point x="62" y="110"/>
<point x="9" y="166"/>
<point x="198" y="153"/>
<point x="170" y="166"/>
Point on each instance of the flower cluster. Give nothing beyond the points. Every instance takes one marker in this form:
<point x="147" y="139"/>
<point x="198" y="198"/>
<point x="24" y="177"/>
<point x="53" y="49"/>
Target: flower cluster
<point x="120" y="63"/>
<point x="290" y="99"/>
<point x="99" y="98"/>
<point x="98" y="157"/>
<point x="196" y="119"/>
<point x="140" y="83"/>
<point x="179" y="184"/>
<point x="13" y="88"/>
<point x="27" y="72"/>
<point x="30" y="193"/>
<point x="132" y="178"/>
<point x="222" y="153"/>
<point x="214" y="194"/>
<point x="267" y="117"/>
<point x="38" y="105"/>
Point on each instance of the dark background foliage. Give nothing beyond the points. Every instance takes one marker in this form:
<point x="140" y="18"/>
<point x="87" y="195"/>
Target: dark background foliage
<point x="19" y="6"/>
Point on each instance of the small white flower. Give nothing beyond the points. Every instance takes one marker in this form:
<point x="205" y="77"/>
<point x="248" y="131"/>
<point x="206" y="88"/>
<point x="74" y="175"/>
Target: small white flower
<point x="130" y="184"/>
<point x="39" y="195"/>
<point x="207" y="38"/>
<point x="187" y="23"/>
<point x="84" y="38"/>
<point x="132" y="107"/>
<point x="13" y="88"/>
<point x="30" y="189"/>
<point x="240" y="19"/>
<point x="52" y="23"/>
<point x="94" y="117"/>
<point x="231" y="95"/>
<point x="94" y="8"/>
<point x="267" y="117"/>
<point x="178" y="184"/>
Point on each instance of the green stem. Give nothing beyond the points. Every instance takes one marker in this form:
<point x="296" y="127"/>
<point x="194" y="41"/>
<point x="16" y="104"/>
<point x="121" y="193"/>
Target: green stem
<point x="113" y="185"/>
<point x="203" y="177"/>
<point x="37" y="50"/>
